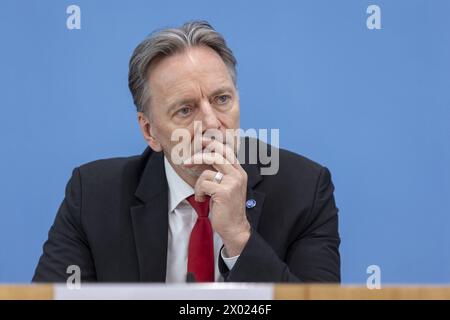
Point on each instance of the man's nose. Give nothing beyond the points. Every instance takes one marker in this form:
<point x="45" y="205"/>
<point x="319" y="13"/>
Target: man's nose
<point x="208" y="116"/>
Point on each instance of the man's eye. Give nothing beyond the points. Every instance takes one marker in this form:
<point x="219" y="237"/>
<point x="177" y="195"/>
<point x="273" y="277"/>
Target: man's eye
<point x="223" y="99"/>
<point x="184" y="112"/>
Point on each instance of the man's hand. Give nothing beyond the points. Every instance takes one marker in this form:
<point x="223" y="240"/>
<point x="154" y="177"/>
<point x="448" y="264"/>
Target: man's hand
<point x="227" y="197"/>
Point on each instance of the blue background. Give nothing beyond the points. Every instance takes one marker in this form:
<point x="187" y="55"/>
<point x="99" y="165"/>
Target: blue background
<point x="372" y="105"/>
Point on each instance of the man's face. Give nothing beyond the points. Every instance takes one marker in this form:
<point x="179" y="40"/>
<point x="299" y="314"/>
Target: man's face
<point x="194" y="85"/>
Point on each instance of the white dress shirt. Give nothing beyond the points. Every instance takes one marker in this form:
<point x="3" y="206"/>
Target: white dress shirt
<point x="182" y="218"/>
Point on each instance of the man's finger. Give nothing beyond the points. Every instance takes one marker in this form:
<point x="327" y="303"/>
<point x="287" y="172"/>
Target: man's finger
<point x="225" y="150"/>
<point x="207" y="175"/>
<point x="205" y="188"/>
<point x="214" y="159"/>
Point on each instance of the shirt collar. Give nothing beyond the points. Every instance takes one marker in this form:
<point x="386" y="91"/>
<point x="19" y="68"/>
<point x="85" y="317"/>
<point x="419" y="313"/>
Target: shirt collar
<point x="179" y="189"/>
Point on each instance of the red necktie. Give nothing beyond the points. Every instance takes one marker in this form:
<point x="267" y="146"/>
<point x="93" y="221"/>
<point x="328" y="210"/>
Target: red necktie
<point x="201" y="247"/>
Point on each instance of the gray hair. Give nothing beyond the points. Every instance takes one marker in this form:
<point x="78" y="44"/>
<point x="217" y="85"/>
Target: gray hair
<point x="167" y="42"/>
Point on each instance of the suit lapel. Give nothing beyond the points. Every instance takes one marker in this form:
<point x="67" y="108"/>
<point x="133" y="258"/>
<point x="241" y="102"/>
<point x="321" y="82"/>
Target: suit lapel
<point x="150" y="221"/>
<point x="255" y="199"/>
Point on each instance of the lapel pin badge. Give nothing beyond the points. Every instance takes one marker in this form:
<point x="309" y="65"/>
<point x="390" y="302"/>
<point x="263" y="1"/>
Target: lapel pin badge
<point x="251" y="203"/>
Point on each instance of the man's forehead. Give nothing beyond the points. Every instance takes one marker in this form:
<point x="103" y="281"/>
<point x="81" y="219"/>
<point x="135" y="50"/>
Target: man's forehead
<point x="193" y="63"/>
<point x="184" y="74"/>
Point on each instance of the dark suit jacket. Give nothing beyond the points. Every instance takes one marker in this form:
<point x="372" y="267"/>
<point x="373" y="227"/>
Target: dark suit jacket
<point x="113" y="224"/>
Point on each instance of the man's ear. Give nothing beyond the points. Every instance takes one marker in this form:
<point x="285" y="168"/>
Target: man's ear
<point x="146" y="129"/>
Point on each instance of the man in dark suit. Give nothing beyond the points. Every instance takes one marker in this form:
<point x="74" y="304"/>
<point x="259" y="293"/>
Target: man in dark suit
<point x="207" y="214"/>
